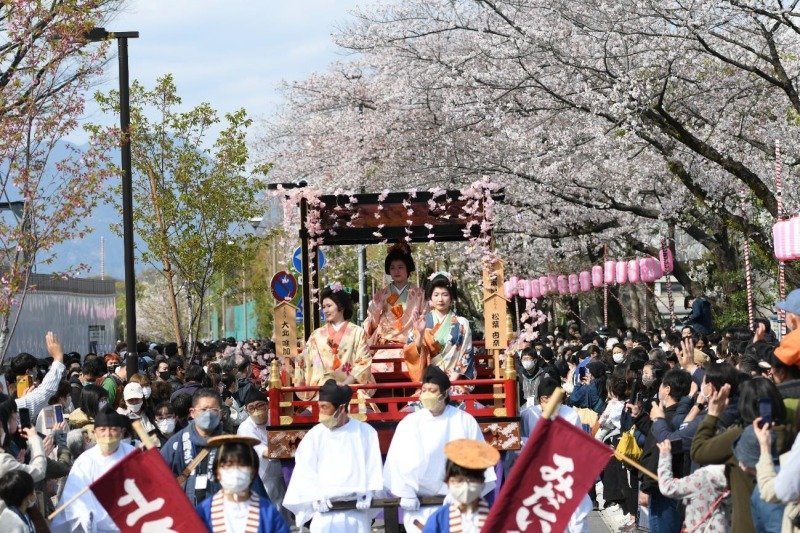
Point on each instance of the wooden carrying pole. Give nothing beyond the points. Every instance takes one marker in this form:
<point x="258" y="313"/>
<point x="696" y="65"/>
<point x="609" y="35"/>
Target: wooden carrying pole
<point x="552" y="408"/>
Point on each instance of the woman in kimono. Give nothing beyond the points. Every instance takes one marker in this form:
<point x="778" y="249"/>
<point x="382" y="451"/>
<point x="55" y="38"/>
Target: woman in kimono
<point x="337" y="350"/>
<point x="440" y="337"/>
<point x="235" y="508"/>
<point x="394" y="309"/>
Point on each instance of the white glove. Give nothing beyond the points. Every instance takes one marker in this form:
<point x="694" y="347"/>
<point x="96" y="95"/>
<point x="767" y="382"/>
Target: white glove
<point x="364" y="501"/>
<point x="409" y="504"/>
<point x="321" y="506"/>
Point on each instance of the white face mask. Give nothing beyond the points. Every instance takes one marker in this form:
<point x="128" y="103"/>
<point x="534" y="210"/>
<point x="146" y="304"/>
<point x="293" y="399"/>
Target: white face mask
<point x="166" y="426"/>
<point x="527" y="364"/>
<point x="146" y="391"/>
<point x="619" y="357"/>
<point x="465" y="492"/>
<point x="135" y="407"/>
<point x="235" y="478"/>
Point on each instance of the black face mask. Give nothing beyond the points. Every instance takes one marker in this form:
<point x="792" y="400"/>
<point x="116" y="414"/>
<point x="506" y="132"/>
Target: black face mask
<point x="164" y="375"/>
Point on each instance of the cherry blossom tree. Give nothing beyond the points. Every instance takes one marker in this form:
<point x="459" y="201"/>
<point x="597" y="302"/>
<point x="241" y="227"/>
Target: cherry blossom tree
<point x="607" y="122"/>
<point x="46" y="70"/>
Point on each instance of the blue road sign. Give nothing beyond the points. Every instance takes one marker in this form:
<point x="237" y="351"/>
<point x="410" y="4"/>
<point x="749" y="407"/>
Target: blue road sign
<point x="283" y="286"/>
<point x="297" y="263"/>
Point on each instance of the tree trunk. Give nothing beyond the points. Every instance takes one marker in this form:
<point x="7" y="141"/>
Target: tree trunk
<point x="166" y="263"/>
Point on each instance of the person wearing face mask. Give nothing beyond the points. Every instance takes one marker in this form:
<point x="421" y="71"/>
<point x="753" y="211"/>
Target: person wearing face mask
<point x="165" y="421"/>
<point x="235" y="507"/>
<point x="467" y="460"/>
<point x="339" y="459"/>
<point x="269" y="470"/>
<point x="415" y="463"/>
<point x="528" y="373"/>
<point x="618" y="354"/>
<point x="16" y="499"/>
<point x="183" y="446"/>
<point x="86" y="512"/>
<point x="133" y="408"/>
<point x="9" y="425"/>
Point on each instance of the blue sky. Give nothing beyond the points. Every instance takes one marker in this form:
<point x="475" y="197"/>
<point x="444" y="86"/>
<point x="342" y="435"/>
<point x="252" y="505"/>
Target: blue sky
<point x="230" y="53"/>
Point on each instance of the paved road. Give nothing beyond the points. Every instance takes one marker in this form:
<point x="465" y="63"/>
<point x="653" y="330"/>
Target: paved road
<point x="596" y="524"/>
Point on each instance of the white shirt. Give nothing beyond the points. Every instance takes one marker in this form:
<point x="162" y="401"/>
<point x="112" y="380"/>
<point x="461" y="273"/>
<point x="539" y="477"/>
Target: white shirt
<point x="86" y="511"/>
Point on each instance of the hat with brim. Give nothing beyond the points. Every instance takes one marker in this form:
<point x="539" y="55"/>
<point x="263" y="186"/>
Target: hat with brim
<point x="110" y="419"/>
<point x="219" y="440"/>
<point x="791" y="304"/>
<point x="472" y="454"/>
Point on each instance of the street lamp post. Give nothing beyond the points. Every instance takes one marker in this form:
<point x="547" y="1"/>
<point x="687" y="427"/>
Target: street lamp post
<point x="100" y="34"/>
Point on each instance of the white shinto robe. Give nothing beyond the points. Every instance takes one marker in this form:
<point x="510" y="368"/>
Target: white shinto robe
<point x="86" y="512"/>
<point x="415" y="463"/>
<point x="335" y="464"/>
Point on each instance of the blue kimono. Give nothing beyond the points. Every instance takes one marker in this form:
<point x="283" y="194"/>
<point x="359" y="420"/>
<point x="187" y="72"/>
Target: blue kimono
<point x="442" y="520"/>
<point x="269" y="519"/>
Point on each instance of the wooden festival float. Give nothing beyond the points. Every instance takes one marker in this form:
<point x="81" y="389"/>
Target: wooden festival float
<point x="424" y="216"/>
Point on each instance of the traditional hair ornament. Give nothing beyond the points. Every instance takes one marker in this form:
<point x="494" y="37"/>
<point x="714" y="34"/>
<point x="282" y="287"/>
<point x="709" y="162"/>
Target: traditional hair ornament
<point x="337" y="286"/>
<point x="441" y="273"/>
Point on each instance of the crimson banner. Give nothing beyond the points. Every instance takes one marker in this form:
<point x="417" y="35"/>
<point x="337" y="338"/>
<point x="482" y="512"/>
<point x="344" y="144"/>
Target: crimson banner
<point x="141" y="494"/>
<point x="556" y="469"/>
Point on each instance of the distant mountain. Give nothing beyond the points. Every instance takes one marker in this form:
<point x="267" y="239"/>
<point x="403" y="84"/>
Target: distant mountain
<point x="87" y="250"/>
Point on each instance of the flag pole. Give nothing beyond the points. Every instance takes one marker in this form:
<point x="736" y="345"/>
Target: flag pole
<point x="146" y="439"/>
<point x="69" y="502"/>
<point x="552" y="407"/>
<point x="553" y="403"/>
<point x="634" y="464"/>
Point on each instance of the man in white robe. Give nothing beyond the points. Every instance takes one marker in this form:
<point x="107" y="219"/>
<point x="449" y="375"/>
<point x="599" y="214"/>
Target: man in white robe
<point x="86" y="513"/>
<point x="415" y="464"/>
<point x="269" y="470"/>
<point x="530" y="416"/>
<point x="339" y="459"/>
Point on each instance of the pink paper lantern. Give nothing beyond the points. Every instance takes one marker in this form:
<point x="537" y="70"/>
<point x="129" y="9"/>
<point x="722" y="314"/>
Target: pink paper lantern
<point x="649" y="269"/>
<point x="535" y="289"/>
<point x="794" y="243"/>
<point x="609" y="272"/>
<point x="544" y="287"/>
<point x="573" y="283"/>
<point x="508" y="290"/>
<point x="585" y="279"/>
<point x="666" y="259"/>
<point x="777" y="240"/>
<point x="529" y="288"/>
<point x="790" y="239"/>
<point x="521" y="288"/>
<point x="552" y="283"/>
<point x="514" y="285"/>
<point x="562" y="284"/>
<point x="621" y="272"/>
<point x="597" y="276"/>
<point x="633" y="271"/>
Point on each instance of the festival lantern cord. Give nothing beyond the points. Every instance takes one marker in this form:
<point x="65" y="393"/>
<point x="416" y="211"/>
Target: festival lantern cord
<point x="783" y="237"/>
<point x="748" y="273"/>
<point x="641" y="270"/>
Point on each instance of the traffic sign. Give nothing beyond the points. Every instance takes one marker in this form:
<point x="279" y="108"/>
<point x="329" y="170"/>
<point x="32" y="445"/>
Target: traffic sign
<point x="283" y="286"/>
<point x="297" y="262"/>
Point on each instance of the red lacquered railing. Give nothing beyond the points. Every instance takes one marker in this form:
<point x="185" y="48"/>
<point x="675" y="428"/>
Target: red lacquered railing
<point x="480" y="404"/>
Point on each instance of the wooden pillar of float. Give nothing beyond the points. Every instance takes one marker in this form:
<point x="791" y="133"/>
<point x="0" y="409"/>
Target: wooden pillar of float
<point x="495" y="314"/>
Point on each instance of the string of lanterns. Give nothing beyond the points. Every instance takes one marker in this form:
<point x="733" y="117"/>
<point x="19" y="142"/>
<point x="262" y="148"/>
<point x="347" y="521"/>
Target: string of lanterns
<point x="642" y="270"/>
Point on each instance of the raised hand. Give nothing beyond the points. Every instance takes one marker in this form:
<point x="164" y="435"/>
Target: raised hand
<point x="54" y="346"/>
